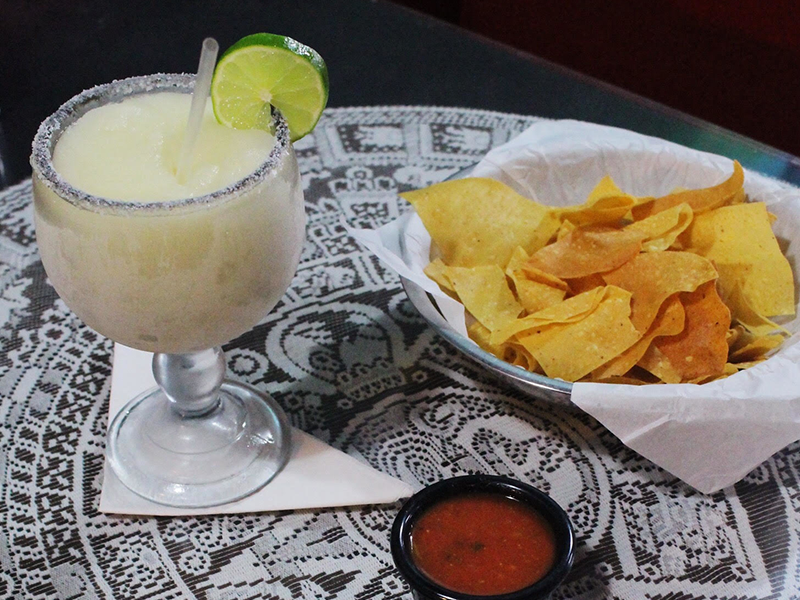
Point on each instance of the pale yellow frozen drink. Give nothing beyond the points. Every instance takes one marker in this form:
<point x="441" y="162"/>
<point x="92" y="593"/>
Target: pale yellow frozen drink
<point x="169" y="266"/>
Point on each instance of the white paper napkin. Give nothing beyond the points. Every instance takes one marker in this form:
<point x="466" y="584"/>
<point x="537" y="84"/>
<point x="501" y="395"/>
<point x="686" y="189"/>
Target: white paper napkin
<point x="316" y="475"/>
<point x="709" y="436"/>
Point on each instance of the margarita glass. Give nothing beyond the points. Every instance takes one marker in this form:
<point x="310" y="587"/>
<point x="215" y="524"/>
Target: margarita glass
<point x="178" y="278"/>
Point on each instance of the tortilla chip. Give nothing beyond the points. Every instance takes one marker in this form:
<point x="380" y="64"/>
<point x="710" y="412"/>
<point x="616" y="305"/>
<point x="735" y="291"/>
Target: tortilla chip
<point x="602" y="211"/>
<point x="663" y="228"/>
<point x="566" y="227"/>
<point x="642" y="375"/>
<point x="534" y="290"/>
<point x="745" y="365"/>
<point x="730" y="368"/>
<point x="480" y="335"/>
<point x="535" y="274"/>
<point x="484" y="292"/>
<point x="618" y="380"/>
<point x="584" y="284"/>
<point x="740" y="242"/>
<point x="654" y="361"/>
<point x="535" y="296"/>
<point x="733" y="334"/>
<point x="741" y="340"/>
<point x="605" y="188"/>
<point x="700" y="200"/>
<point x="586" y="251"/>
<point x="606" y="204"/>
<point x="520" y="261"/>
<point x="512" y="353"/>
<point x="437" y="271"/>
<point x="477" y="221"/>
<point x="523" y="358"/>
<point x="669" y="321"/>
<point x="571" y="350"/>
<point x="743" y="313"/>
<point x="738" y="197"/>
<point x="701" y="349"/>
<point x="653" y="277"/>
<point x="727" y="371"/>
<point x="570" y="310"/>
<point x="517" y="260"/>
<point x="757" y="349"/>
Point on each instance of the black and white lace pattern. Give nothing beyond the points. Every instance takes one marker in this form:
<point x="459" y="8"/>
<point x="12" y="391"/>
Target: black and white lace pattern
<point x="353" y="364"/>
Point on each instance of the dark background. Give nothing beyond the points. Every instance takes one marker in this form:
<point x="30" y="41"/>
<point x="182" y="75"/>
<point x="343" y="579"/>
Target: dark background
<point x="382" y="53"/>
<point x="731" y="62"/>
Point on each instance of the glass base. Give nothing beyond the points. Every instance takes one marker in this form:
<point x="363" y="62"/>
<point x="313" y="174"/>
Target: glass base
<point x="204" y="460"/>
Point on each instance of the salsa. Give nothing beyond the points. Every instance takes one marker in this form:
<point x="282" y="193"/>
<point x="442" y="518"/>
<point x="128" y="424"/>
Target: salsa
<point x="483" y="544"/>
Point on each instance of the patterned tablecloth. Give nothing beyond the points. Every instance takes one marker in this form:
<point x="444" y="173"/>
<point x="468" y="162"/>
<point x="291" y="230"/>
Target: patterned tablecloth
<point x="353" y="364"/>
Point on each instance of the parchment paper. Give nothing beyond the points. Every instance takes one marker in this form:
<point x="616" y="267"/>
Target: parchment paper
<point x="316" y="475"/>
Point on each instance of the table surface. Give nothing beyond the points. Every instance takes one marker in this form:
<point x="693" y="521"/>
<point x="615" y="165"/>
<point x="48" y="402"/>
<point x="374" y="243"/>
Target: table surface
<point x="345" y="353"/>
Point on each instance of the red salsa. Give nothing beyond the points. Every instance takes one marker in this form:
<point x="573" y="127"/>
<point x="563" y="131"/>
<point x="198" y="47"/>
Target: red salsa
<point x="483" y="544"/>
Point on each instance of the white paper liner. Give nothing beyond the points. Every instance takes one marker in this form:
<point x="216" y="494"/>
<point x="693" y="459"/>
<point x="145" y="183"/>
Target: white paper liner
<point x="711" y="435"/>
<point x="316" y="475"/>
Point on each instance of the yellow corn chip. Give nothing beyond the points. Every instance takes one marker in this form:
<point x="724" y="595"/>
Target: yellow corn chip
<point x="738" y="197"/>
<point x="756" y="349"/>
<point x="741" y="340"/>
<point x="618" y="380"/>
<point x="701" y="349"/>
<point x="584" y="284"/>
<point x="701" y="200"/>
<point x="566" y="227"/>
<point x="586" y="251"/>
<point x="570" y="310"/>
<point x="740" y="242"/>
<point x="517" y="260"/>
<point x="478" y="221"/>
<point x="606" y="204"/>
<point x="604" y="211"/>
<point x="745" y="365"/>
<point x="535" y="274"/>
<point x="523" y="358"/>
<point x="743" y="312"/>
<point x="669" y="321"/>
<point x="484" y="292"/>
<point x="728" y="370"/>
<point x="437" y="271"/>
<point x="480" y="335"/>
<point x="605" y="188"/>
<point x="659" y="365"/>
<point x="535" y="291"/>
<point x="535" y="296"/>
<point x="662" y="229"/>
<point x="571" y="350"/>
<point x="520" y="261"/>
<point x="653" y="277"/>
<point x="733" y="335"/>
<point x="516" y="354"/>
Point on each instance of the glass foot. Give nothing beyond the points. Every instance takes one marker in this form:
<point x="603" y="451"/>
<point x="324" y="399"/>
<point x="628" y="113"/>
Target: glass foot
<point x="186" y="460"/>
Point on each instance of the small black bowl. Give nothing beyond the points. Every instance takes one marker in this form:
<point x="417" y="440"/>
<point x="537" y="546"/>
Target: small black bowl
<point x="424" y="588"/>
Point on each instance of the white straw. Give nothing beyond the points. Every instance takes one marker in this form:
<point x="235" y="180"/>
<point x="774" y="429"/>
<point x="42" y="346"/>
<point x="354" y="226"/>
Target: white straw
<point x="202" y="88"/>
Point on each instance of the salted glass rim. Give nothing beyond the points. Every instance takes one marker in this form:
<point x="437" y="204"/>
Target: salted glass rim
<point x="53" y="127"/>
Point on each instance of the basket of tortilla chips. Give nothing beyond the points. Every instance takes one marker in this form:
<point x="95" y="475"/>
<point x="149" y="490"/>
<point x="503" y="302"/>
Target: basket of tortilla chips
<point x="678" y="288"/>
<point x="649" y="283"/>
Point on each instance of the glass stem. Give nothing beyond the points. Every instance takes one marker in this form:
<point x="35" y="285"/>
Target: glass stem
<point x="191" y="381"/>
